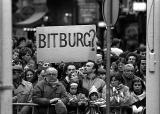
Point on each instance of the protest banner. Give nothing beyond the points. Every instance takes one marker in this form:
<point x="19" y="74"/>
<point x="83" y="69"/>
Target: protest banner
<point x="66" y="43"/>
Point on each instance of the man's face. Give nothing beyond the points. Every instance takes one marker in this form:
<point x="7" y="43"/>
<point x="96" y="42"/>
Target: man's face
<point x="128" y="72"/>
<point x="71" y="69"/>
<point x="89" y="68"/>
<point x="99" y="59"/>
<point x="143" y="65"/>
<point x="15" y="55"/>
<point x="51" y="75"/>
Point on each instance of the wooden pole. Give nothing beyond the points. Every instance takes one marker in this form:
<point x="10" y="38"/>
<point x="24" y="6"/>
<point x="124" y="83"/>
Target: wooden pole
<point x="5" y="57"/>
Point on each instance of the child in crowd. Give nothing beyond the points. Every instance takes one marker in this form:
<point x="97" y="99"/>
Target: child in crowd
<point x="95" y="102"/>
<point x="77" y="101"/>
<point x="138" y="96"/>
<point x="72" y="94"/>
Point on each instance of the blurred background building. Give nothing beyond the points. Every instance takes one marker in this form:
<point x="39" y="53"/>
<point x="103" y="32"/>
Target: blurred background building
<point x="29" y="14"/>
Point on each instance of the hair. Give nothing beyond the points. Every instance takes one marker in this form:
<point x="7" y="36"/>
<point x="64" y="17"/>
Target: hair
<point x="51" y="68"/>
<point x="141" y="49"/>
<point x="132" y="54"/>
<point x="67" y="65"/>
<point x="115" y="41"/>
<point x="138" y="80"/>
<point x="117" y="77"/>
<point x="128" y="65"/>
<point x="24" y="51"/>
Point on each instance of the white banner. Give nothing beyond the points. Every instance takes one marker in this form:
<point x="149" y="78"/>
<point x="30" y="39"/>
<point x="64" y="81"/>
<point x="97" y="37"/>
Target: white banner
<point x="66" y="43"/>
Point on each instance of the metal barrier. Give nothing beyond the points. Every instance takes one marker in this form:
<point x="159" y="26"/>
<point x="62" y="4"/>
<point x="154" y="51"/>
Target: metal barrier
<point x="32" y="105"/>
<point x="18" y="105"/>
<point x="103" y="108"/>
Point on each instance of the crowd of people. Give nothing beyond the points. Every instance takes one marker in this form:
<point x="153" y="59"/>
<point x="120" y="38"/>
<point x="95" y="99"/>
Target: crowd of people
<point x="70" y="88"/>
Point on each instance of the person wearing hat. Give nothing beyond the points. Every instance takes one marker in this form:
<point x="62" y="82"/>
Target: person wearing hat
<point x="50" y="91"/>
<point x="22" y="90"/>
<point x="95" y="101"/>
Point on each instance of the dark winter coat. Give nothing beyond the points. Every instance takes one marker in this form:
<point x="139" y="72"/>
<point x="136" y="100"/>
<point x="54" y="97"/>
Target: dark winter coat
<point x="42" y="94"/>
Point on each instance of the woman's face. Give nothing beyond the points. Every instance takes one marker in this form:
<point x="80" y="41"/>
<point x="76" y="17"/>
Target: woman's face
<point x="29" y="75"/>
<point x="132" y="60"/>
<point x="114" y="82"/>
<point x="113" y="66"/>
<point x="26" y="57"/>
<point x="137" y="87"/>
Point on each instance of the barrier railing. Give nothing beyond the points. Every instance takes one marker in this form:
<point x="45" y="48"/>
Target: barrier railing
<point x="118" y="109"/>
<point x="32" y="105"/>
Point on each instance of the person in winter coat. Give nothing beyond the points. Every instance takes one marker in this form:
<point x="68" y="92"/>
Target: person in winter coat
<point x="77" y="101"/>
<point x="128" y="75"/>
<point x="95" y="101"/>
<point x="22" y="90"/>
<point x="50" y="91"/>
<point x="119" y="93"/>
<point x="138" y="96"/>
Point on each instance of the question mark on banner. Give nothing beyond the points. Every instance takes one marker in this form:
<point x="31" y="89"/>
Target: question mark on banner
<point x="94" y="36"/>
